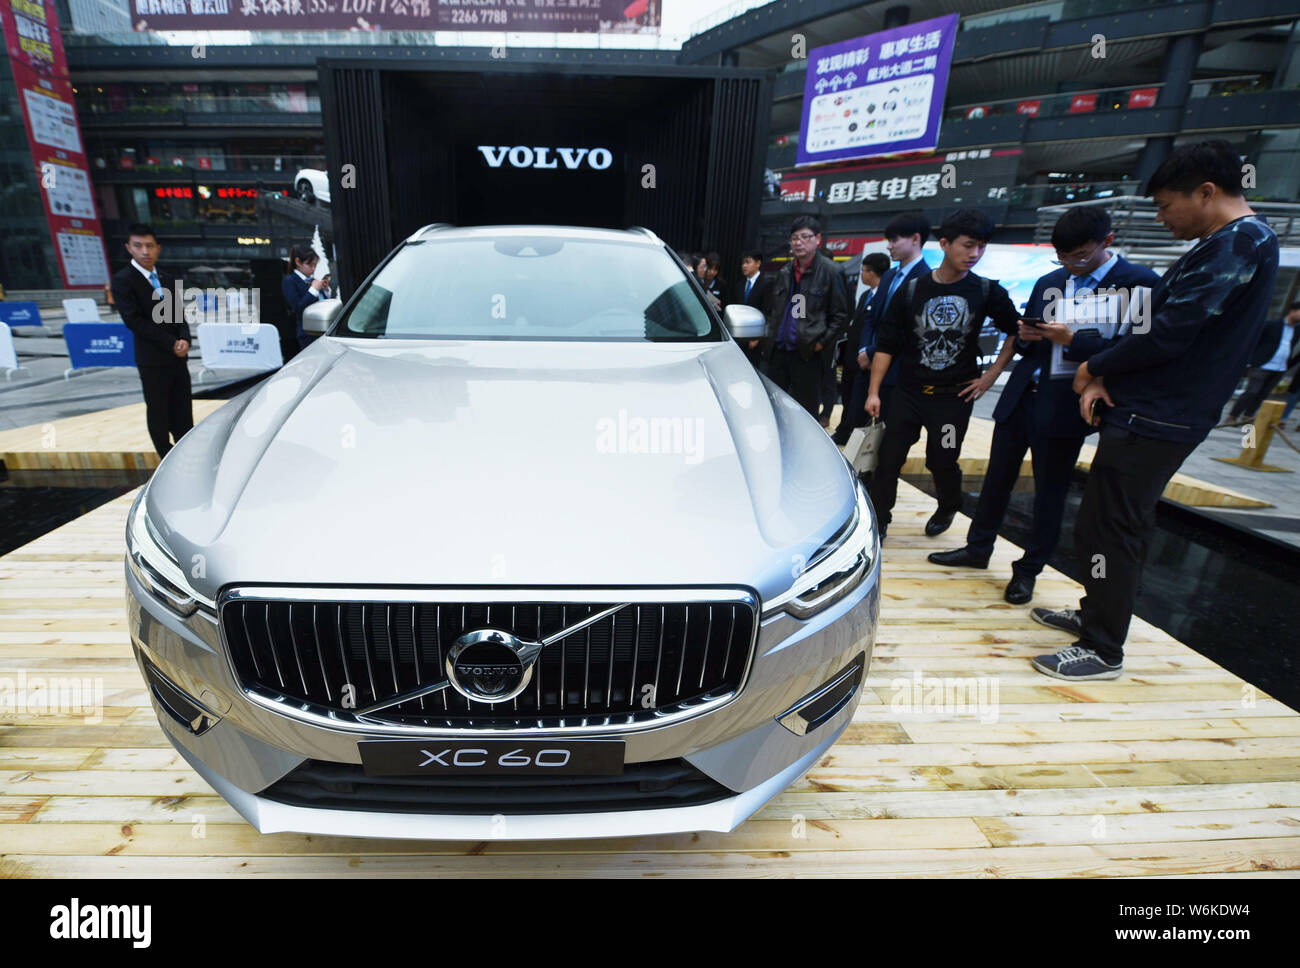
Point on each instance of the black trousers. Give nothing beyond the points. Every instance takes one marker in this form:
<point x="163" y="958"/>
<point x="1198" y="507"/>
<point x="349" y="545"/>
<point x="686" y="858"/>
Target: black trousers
<point x="1259" y="384"/>
<point x="945" y="417"/>
<point x="1114" y="527"/>
<point x="800" y="378"/>
<point x="1054" y="459"/>
<point x="168" y="405"/>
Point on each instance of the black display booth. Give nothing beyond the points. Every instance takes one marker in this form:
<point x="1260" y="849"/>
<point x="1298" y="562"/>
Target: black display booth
<point x="562" y="143"/>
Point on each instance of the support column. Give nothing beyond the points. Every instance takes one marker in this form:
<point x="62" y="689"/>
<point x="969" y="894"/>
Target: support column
<point x="1181" y="54"/>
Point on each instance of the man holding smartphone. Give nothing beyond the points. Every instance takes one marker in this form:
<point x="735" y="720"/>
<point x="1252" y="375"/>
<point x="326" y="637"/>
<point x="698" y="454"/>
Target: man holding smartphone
<point x="1038" y="410"/>
<point x="1163" y="387"/>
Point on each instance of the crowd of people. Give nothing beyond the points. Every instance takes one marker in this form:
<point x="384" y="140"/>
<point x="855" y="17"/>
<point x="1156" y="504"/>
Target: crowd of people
<point x="1102" y="346"/>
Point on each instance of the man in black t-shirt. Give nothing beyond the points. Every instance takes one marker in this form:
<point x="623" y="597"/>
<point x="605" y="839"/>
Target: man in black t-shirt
<point x="933" y="326"/>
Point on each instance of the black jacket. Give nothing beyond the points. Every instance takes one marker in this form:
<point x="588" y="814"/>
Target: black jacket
<point x="1056" y="405"/>
<point x="826" y="308"/>
<point x="758" y="296"/>
<point x="133" y="296"/>
<point x="1172" y="380"/>
<point x="298" y="296"/>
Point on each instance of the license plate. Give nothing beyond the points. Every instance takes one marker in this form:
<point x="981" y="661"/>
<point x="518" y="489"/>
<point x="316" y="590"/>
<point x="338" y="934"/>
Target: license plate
<point x="499" y="757"/>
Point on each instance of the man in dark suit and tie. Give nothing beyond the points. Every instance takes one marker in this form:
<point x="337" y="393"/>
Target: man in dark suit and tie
<point x="754" y="289"/>
<point x="147" y="298"/>
<point x="1038" y="409"/>
<point x="874" y="267"/>
<point x="905" y="235"/>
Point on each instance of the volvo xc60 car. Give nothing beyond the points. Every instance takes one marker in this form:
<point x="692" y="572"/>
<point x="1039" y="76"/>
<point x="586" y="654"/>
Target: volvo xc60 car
<point x="522" y="547"/>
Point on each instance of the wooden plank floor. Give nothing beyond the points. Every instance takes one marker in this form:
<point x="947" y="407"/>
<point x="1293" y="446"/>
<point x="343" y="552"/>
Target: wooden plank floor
<point x="117" y="438"/>
<point x="1179" y="768"/>
<point x="112" y="438"/>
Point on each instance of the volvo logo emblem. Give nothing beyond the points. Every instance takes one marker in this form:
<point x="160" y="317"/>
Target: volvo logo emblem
<point x="489" y="665"/>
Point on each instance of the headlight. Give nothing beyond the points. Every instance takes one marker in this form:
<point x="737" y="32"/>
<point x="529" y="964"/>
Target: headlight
<point x="837" y="568"/>
<point x="155" y="566"/>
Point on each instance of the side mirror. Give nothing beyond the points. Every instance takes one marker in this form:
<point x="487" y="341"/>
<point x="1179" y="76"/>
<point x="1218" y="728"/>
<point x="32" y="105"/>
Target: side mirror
<point x="321" y="316"/>
<point x="745" y="322"/>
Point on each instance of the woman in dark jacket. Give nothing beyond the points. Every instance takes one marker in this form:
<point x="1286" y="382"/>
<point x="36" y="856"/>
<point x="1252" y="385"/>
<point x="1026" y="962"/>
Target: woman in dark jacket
<point x="301" y="290"/>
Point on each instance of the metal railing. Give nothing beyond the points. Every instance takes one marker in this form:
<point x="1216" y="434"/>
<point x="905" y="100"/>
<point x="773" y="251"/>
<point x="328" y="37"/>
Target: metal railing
<point x="192" y="162"/>
<point x="282" y="102"/>
<point x="1133" y="218"/>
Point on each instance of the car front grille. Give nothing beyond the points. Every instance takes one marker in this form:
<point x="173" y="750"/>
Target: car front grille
<point x="642" y="663"/>
<point x="641" y="786"/>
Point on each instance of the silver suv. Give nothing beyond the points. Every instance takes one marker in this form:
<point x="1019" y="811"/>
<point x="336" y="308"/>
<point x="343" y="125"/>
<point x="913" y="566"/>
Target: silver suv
<point x="522" y="548"/>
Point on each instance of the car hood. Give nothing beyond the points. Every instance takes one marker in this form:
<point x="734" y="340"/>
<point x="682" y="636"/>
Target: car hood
<point x="504" y="463"/>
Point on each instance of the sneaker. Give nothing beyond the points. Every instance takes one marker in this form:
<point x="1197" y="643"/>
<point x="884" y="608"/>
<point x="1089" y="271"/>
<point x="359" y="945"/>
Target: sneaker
<point x="1076" y="663"/>
<point x="1061" y="619"/>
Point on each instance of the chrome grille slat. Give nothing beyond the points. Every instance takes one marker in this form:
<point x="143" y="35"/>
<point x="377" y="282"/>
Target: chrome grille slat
<point x="613" y="662"/>
<point x="320" y="656"/>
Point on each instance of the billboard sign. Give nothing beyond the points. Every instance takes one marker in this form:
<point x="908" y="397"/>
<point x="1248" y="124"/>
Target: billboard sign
<point x="550" y="16"/>
<point x="877" y="95"/>
<point x="35" y="47"/>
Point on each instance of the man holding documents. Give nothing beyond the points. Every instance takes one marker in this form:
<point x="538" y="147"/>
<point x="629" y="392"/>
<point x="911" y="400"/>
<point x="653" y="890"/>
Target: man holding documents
<point x="1082" y="307"/>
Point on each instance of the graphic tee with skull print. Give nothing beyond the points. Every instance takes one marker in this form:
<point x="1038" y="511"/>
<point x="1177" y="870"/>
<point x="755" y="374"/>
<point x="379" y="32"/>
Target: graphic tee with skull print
<point x="935" y="334"/>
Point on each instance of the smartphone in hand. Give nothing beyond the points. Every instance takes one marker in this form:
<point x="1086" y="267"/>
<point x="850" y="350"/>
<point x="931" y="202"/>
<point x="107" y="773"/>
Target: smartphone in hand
<point x="1095" y="412"/>
<point x="1032" y="321"/>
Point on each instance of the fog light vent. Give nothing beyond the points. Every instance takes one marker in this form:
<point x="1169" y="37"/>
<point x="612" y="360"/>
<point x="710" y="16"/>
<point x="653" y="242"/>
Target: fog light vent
<point x="178" y="704"/>
<point x="820" y="705"/>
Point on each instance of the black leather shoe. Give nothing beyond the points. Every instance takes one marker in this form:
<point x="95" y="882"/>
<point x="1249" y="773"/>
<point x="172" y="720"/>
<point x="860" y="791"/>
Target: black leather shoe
<point x="939" y="522"/>
<point x="958" y="558"/>
<point x="1019" y="590"/>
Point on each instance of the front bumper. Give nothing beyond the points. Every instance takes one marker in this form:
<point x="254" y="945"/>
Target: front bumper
<point x="241" y="749"/>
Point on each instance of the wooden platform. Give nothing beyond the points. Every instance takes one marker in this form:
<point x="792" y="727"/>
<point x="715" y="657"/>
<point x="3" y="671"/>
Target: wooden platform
<point x="1179" y="768"/>
<point x="106" y="439"/>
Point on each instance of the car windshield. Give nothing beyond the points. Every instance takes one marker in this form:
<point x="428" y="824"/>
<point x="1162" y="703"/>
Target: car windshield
<point x="530" y="287"/>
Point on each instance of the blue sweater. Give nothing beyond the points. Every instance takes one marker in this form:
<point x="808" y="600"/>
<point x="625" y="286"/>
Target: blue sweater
<point x="1207" y="313"/>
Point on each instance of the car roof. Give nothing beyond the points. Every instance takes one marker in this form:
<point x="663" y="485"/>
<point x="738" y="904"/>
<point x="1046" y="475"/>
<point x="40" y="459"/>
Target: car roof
<point x="442" y="230"/>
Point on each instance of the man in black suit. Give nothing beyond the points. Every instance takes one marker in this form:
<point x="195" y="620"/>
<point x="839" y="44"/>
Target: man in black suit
<point x="754" y="289"/>
<point x="875" y="265"/>
<point x="1038" y="409"/>
<point x="905" y="235"/>
<point x="150" y="302"/>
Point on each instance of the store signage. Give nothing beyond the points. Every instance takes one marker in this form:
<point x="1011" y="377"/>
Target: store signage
<point x="1029" y="108"/>
<point x="550" y="16"/>
<point x="252" y="240"/>
<point x="99" y="344"/>
<point x="1083" y="103"/>
<point x="978" y="177"/>
<point x="877" y="95"/>
<point x="1143" y="97"/>
<point x="523" y="156"/>
<point x="240" y="347"/>
<point x="34" y="43"/>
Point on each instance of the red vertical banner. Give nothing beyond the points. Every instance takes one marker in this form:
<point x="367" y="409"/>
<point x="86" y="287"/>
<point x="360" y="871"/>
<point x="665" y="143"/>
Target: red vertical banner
<point x="35" y="46"/>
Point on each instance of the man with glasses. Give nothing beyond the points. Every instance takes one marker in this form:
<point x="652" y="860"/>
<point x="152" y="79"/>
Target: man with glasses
<point x="1038" y="409"/>
<point x="808" y="312"/>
